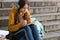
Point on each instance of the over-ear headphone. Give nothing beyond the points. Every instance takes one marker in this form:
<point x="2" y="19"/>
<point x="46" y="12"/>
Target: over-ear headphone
<point x="17" y="6"/>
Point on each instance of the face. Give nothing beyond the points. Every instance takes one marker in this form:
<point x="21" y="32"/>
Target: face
<point x="24" y="9"/>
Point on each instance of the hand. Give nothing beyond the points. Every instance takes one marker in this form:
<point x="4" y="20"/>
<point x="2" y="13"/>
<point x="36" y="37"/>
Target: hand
<point x="24" y="23"/>
<point x="21" y="20"/>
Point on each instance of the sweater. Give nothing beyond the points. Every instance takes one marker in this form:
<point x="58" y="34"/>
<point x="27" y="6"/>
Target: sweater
<point x="14" y="27"/>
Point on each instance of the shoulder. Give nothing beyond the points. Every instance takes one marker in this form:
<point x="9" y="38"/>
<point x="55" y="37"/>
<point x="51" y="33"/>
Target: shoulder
<point x="13" y="10"/>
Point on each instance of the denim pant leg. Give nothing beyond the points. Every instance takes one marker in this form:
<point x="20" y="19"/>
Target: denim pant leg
<point x="24" y="34"/>
<point x="28" y="33"/>
<point x="34" y="32"/>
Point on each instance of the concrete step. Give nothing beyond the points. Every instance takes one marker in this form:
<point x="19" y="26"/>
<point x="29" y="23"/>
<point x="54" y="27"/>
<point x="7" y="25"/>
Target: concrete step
<point x="33" y="10"/>
<point x="42" y="3"/>
<point x="45" y="0"/>
<point x="8" y="4"/>
<point x="48" y="25"/>
<point x="4" y="18"/>
<point x="9" y="1"/>
<point x="35" y="7"/>
<point x="4" y="28"/>
<point x="32" y="3"/>
<point x="46" y="9"/>
<point x="46" y="17"/>
<point x="4" y="21"/>
<point x="5" y="8"/>
<point x="51" y="23"/>
<point x="4" y="13"/>
<point x="51" y="26"/>
<point x="32" y="0"/>
<point x="52" y="36"/>
<point x="40" y="17"/>
<point x="48" y="36"/>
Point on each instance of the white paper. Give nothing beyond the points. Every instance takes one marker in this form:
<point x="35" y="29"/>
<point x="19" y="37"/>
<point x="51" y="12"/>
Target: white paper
<point x="3" y="33"/>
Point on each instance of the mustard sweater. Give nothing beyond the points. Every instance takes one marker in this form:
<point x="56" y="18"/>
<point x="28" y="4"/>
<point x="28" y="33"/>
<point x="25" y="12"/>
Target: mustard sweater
<point x="11" y="26"/>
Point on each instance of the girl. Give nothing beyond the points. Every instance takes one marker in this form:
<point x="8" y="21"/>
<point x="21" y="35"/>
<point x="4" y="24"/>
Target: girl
<point x="19" y="19"/>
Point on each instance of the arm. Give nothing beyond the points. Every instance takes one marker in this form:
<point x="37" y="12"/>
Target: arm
<point x="11" y="26"/>
<point x="21" y="19"/>
<point x="29" y="17"/>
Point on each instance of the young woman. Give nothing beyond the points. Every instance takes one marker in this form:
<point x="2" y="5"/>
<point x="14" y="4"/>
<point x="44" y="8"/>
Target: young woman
<point x="19" y="19"/>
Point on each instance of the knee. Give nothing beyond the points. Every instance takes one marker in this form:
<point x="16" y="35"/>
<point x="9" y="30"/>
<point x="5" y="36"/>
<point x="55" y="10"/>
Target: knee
<point x="27" y="28"/>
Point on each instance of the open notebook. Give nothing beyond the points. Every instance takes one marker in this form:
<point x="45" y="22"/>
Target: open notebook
<point x="3" y="33"/>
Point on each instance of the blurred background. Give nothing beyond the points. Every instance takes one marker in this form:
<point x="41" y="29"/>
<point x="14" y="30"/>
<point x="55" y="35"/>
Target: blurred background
<point x="46" y="11"/>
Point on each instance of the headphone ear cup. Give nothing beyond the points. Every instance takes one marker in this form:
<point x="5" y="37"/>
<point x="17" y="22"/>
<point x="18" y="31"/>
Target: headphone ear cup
<point x="17" y="6"/>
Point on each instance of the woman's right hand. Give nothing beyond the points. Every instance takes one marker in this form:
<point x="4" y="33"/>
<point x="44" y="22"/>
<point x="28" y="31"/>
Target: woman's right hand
<point x="24" y="23"/>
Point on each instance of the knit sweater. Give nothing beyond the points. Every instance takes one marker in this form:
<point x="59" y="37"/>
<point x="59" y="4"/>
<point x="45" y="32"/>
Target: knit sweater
<point x="14" y="27"/>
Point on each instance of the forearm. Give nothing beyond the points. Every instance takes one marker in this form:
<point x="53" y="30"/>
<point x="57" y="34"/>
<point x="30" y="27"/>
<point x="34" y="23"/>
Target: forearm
<point x="13" y="28"/>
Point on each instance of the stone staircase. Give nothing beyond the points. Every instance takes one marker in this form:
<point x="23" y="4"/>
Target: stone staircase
<point x="48" y="13"/>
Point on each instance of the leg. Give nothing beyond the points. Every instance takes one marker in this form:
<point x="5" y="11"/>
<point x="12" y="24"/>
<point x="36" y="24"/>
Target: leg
<point x="34" y="32"/>
<point x="24" y="34"/>
<point x="20" y="35"/>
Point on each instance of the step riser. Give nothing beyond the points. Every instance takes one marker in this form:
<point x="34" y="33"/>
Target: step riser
<point x="48" y="17"/>
<point x="34" y="10"/>
<point x="40" y="18"/>
<point x="7" y="11"/>
<point x="46" y="27"/>
<point x="32" y="4"/>
<point x="41" y="4"/>
<point x="43" y="10"/>
<point x="3" y="23"/>
<point x="55" y="38"/>
<point x="4" y="12"/>
<point x="8" y="4"/>
<point x="52" y="28"/>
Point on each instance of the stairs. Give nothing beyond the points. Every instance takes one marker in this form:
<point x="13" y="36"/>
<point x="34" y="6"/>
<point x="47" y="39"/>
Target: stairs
<point x="48" y="13"/>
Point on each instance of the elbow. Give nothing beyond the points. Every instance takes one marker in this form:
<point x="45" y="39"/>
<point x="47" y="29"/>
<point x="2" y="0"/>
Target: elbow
<point x="10" y="29"/>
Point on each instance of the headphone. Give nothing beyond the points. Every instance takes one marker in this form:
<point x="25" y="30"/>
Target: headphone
<point x="17" y="6"/>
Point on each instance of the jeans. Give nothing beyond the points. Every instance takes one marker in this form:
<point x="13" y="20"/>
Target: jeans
<point x="28" y="32"/>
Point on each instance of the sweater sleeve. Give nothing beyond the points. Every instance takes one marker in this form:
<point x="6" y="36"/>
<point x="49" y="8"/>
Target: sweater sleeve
<point x="11" y="26"/>
<point x="29" y="17"/>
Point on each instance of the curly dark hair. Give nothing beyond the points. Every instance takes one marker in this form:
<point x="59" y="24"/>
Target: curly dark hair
<point x="21" y="4"/>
